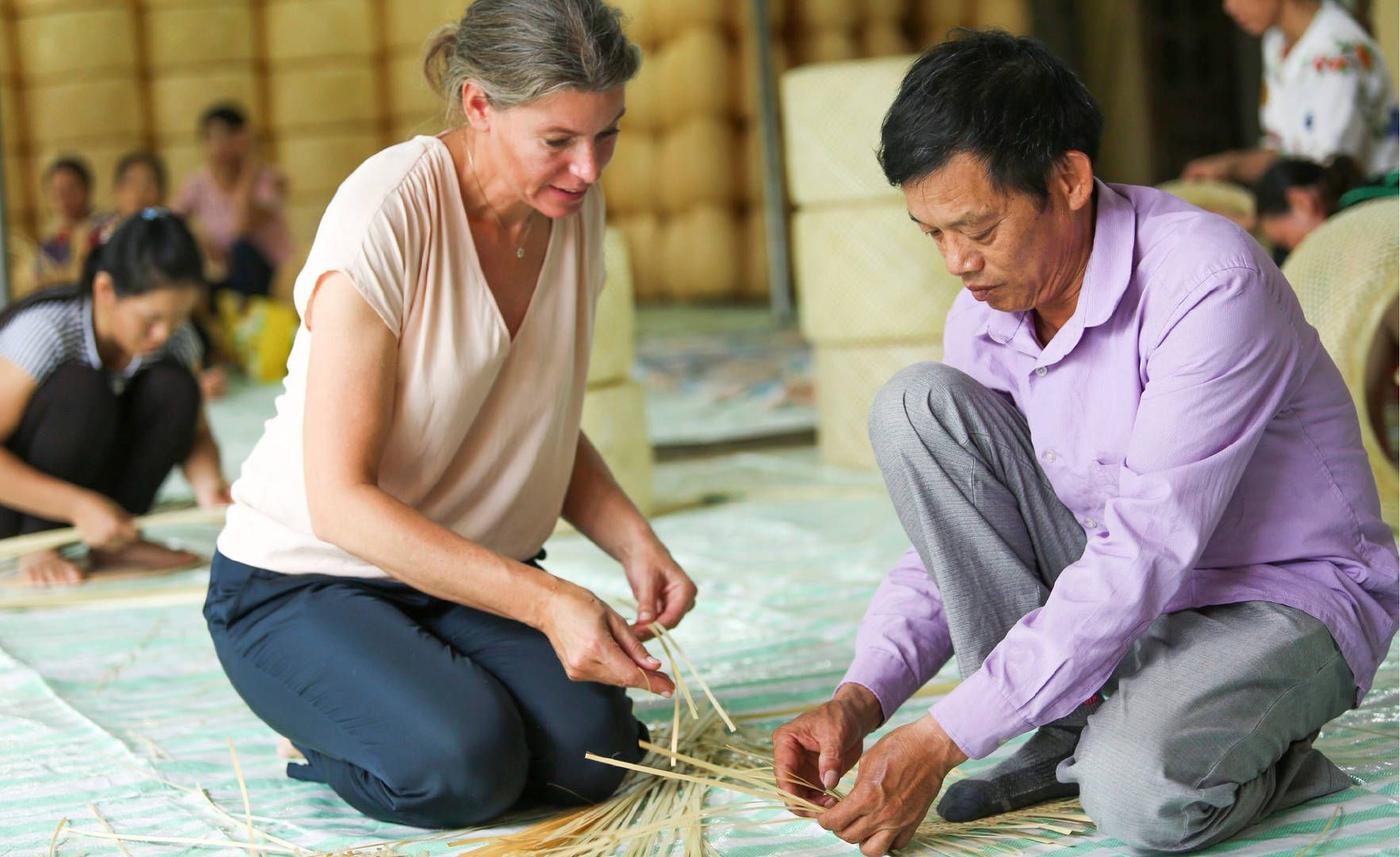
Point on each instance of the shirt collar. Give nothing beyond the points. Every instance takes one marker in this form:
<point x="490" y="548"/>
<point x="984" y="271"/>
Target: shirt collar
<point x="94" y="357"/>
<point x="1106" y="279"/>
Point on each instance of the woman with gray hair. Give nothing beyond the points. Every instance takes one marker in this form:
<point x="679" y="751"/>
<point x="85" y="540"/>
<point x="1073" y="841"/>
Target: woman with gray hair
<point x="377" y="597"/>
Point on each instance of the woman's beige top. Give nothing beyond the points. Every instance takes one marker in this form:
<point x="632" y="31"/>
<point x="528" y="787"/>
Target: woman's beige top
<point x="484" y="428"/>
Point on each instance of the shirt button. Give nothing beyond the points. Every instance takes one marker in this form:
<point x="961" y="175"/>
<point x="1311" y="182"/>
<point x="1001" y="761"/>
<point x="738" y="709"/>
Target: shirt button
<point x="1090" y="523"/>
<point x="1049" y="455"/>
<point x="1040" y="370"/>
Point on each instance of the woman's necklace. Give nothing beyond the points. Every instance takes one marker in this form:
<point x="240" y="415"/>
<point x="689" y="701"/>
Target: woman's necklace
<point x="529" y="220"/>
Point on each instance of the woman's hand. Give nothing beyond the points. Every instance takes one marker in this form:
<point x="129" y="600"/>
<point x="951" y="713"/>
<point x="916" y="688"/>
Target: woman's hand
<point x="103" y="524"/>
<point x="212" y="495"/>
<point x="594" y="643"/>
<point x="664" y="592"/>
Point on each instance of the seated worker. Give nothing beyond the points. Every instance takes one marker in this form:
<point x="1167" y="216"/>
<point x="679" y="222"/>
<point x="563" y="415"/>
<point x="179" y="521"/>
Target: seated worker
<point x="1295" y="196"/>
<point x="139" y="182"/>
<point x="236" y="204"/>
<point x="388" y="527"/>
<point x="1142" y="517"/>
<point x="70" y="233"/>
<point x="1326" y="92"/>
<point x="98" y="401"/>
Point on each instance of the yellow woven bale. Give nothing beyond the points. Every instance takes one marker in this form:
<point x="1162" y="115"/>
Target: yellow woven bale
<point x="407" y="127"/>
<point x="8" y="67"/>
<point x="696" y="164"/>
<point x="883" y="39"/>
<point x="740" y="16"/>
<point x="82" y="110"/>
<point x="934" y="20"/>
<point x="10" y="127"/>
<point x="328" y="93"/>
<point x="1345" y="274"/>
<point x="302" y="220"/>
<point x="630" y="178"/>
<point x="826" y="46"/>
<point x="865" y="273"/>
<point x="886" y="11"/>
<point x="198" y="33"/>
<point x="182" y="160"/>
<point x="1224" y="198"/>
<point x="410" y="96"/>
<point x="816" y="15"/>
<point x="753" y="284"/>
<point x="674" y="18"/>
<point x="316" y="164"/>
<point x="643" y="234"/>
<point x="18" y="189"/>
<point x="638" y="20"/>
<point x="96" y="40"/>
<point x="746" y="79"/>
<point x="847" y="379"/>
<point x="644" y="96"/>
<point x="750" y="165"/>
<point x="615" y="421"/>
<point x="700" y="254"/>
<point x="615" y="325"/>
<point x="178" y="99"/>
<point x="831" y="161"/>
<point x="316" y="29"/>
<point x="695" y="75"/>
<point x="409" y="24"/>
<point x="1014" y="16"/>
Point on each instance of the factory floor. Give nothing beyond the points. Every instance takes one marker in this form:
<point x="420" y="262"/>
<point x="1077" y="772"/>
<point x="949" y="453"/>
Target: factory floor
<point x="115" y="715"/>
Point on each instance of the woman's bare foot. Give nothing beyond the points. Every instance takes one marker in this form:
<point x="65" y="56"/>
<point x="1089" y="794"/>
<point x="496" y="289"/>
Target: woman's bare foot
<point x="144" y="556"/>
<point x="49" y="568"/>
<point x="288" y="751"/>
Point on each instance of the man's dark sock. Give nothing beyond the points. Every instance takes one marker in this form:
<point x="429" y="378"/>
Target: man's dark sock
<point x="1025" y="779"/>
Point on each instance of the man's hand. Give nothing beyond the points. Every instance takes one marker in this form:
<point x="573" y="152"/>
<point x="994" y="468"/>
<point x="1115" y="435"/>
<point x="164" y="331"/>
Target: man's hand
<point x="823" y="744"/>
<point x="895" y="785"/>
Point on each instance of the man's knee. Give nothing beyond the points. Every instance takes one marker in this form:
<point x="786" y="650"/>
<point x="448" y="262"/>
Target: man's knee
<point x="917" y="396"/>
<point x="1127" y="787"/>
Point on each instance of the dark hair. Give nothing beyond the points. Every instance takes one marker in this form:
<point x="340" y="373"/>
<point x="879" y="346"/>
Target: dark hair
<point x="225" y="113"/>
<point x="140" y="157"/>
<point x="151" y="250"/>
<point x="1004" y="99"/>
<point x="72" y="164"/>
<point x="1338" y="176"/>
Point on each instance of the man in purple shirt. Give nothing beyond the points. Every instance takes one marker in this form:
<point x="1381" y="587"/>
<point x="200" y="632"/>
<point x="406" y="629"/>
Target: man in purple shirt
<point x="1142" y="517"/>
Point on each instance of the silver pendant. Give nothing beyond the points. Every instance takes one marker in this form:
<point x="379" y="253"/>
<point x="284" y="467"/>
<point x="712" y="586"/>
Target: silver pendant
<point x="520" y="252"/>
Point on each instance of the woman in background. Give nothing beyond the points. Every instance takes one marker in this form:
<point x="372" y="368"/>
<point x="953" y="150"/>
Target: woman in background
<point x="98" y="401"/>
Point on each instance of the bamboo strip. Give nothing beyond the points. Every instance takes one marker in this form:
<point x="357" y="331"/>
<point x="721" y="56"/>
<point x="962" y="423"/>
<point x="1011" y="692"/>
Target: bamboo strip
<point x="53" y="842"/>
<point x="173" y="840"/>
<point x="699" y="679"/>
<point x="17" y="546"/>
<point x="101" y="819"/>
<point x="247" y="804"/>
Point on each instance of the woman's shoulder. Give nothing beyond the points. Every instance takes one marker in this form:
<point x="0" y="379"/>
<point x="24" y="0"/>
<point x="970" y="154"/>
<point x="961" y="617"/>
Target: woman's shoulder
<point x="399" y="170"/>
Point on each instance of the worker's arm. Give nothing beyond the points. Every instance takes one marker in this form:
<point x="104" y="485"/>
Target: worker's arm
<point x="203" y="469"/>
<point x="100" y="521"/>
<point x="350" y="394"/>
<point x="1242" y="166"/>
<point x="598" y="507"/>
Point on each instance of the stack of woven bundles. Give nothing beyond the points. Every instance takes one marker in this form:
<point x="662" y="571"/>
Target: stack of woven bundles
<point x="413" y="107"/>
<point x="80" y="83"/>
<point x="325" y="100"/>
<point x="614" y="412"/>
<point x="872" y="291"/>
